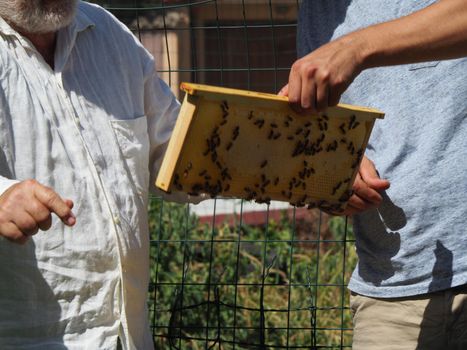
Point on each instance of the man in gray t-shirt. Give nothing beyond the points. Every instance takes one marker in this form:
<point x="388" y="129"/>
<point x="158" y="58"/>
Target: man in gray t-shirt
<point x="406" y="58"/>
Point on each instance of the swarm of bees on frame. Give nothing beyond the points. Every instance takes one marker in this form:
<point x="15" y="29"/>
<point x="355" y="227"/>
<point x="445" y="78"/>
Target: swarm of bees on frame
<point x="298" y="136"/>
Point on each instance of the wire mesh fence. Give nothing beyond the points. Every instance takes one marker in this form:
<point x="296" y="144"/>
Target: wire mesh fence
<point x="227" y="274"/>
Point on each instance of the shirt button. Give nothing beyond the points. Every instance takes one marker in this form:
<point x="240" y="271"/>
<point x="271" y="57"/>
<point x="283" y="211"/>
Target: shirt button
<point x="116" y="219"/>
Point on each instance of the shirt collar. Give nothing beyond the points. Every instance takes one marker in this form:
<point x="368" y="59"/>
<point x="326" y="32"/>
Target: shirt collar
<point x="6" y="29"/>
<point x="81" y="21"/>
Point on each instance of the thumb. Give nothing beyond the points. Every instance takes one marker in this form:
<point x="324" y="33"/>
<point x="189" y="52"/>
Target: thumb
<point x="371" y="177"/>
<point x="284" y="91"/>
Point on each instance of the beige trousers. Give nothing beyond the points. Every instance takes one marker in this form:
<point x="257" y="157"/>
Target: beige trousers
<point x="424" y="322"/>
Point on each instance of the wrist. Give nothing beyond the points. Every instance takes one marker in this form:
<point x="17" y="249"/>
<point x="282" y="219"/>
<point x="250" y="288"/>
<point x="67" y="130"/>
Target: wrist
<point x="358" y="51"/>
<point x="363" y="45"/>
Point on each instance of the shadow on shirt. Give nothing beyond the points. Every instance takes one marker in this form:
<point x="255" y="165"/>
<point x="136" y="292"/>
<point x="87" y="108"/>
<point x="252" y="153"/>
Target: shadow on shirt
<point x="441" y="318"/>
<point x="378" y="240"/>
<point x="26" y="321"/>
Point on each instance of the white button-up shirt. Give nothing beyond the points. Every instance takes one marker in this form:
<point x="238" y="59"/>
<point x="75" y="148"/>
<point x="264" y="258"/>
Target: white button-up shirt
<point x="88" y="129"/>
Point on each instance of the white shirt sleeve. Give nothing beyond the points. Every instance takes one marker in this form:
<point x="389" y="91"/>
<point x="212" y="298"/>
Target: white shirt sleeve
<point x="161" y="108"/>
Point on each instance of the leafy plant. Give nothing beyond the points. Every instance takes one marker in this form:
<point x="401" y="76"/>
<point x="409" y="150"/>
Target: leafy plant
<point x="247" y="287"/>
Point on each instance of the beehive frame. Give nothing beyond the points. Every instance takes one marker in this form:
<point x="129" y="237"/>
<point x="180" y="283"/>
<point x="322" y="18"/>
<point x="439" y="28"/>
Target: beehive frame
<point x="243" y="144"/>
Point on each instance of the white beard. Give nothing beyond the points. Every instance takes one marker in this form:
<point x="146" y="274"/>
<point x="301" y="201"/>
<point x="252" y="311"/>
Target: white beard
<point x="38" y="16"/>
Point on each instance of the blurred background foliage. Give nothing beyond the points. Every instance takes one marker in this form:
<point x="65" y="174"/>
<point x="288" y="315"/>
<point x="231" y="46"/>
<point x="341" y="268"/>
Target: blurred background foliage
<point x="236" y="286"/>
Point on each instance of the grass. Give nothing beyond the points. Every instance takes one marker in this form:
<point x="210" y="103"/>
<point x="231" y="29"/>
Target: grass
<point x="270" y="287"/>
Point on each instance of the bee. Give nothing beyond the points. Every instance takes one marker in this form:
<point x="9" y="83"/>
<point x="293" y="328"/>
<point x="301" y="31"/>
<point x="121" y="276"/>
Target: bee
<point x="259" y="123"/>
<point x="310" y="171"/>
<point x="250" y="196"/>
<point x="342" y="128"/>
<point x="225" y="174"/>
<point x="299" y="148"/>
<point x="265" y="200"/>
<point x="236" y="132"/>
<point x="352" y="121"/>
<point x="334" y="190"/>
<point x="345" y="196"/>
<point x="332" y="146"/>
<point x="311" y="205"/>
<point x="196" y="188"/>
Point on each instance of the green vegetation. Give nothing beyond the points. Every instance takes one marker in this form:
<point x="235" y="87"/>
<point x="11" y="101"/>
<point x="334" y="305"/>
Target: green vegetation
<point x="263" y="287"/>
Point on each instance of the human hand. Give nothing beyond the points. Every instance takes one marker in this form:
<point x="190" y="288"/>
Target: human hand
<point x="366" y="189"/>
<point x="318" y="80"/>
<point x="26" y="208"/>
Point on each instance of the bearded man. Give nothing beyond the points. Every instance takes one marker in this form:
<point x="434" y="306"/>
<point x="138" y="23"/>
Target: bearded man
<point x="84" y="120"/>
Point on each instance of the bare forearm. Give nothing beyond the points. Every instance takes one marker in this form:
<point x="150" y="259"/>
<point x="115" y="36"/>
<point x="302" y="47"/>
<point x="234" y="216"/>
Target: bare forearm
<point x="435" y="33"/>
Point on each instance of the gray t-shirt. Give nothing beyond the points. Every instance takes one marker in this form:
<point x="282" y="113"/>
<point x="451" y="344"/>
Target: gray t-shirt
<point x="416" y="242"/>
